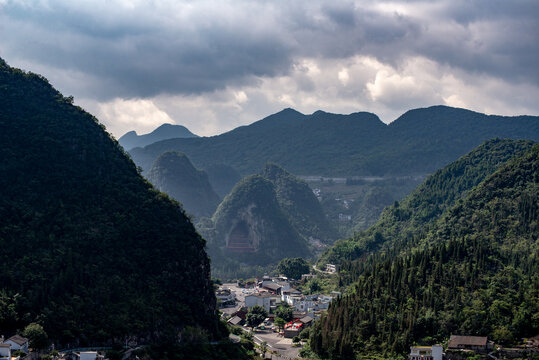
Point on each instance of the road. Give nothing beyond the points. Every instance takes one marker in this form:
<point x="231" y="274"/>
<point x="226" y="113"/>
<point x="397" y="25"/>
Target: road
<point x="275" y="341"/>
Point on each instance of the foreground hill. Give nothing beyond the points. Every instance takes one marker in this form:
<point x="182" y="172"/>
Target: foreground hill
<point x="410" y="219"/>
<point x="166" y="131"/>
<point x="419" y="142"/>
<point x="476" y="272"/>
<point x="89" y="249"/>
<point x="174" y="174"/>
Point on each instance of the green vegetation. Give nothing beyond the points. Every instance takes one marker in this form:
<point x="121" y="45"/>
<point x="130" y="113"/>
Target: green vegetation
<point x="255" y="316"/>
<point x="299" y="204"/>
<point x="38" y="339"/>
<point x="251" y="213"/>
<point x="473" y="270"/>
<point x="175" y="175"/>
<point x="284" y="312"/>
<point x="410" y="219"/>
<point x="293" y="268"/>
<point x="419" y="142"/>
<point x="90" y="250"/>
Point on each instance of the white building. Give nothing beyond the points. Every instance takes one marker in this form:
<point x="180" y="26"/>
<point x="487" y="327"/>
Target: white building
<point x="266" y="300"/>
<point x="88" y="355"/>
<point x="18" y="342"/>
<point x="5" y="352"/>
<point x="225" y="295"/>
<point x="433" y="352"/>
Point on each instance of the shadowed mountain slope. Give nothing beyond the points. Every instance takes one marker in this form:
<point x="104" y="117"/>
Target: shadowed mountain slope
<point x="174" y="174"/>
<point x="418" y="142"/>
<point x="89" y="249"/>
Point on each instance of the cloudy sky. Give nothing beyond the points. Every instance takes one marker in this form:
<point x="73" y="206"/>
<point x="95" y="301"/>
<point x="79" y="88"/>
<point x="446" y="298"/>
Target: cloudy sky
<point x="213" y="65"/>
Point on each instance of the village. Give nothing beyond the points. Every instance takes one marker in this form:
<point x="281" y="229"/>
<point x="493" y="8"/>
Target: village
<point x="284" y="340"/>
<point x="287" y="311"/>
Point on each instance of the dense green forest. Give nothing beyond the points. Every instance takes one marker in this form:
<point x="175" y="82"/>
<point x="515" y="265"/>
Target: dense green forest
<point x="474" y="271"/>
<point x="90" y="250"/>
<point x="276" y="213"/>
<point x="299" y="204"/>
<point x="419" y="142"/>
<point x="410" y="219"/>
<point x="252" y="212"/>
<point x="175" y="175"/>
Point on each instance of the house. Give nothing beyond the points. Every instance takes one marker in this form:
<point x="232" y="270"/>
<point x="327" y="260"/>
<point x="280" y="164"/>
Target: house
<point x="235" y="320"/>
<point x="5" y="352"/>
<point x="89" y="355"/>
<point x="293" y="328"/>
<point x="18" y="342"/>
<point x="307" y="321"/>
<point x="225" y="296"/>
<point x="332" y="268"/>
<point x="273" y="287"/>
<point x="266" y="300"/>
<point x="457" y="342"/>
<point x="434" y="352"/>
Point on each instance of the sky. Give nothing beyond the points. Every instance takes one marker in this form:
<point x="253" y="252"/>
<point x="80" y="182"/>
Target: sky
<point x="213" y="65"/>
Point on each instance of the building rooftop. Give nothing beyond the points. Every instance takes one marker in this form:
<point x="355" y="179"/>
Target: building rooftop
<point x="17" y="339"/>
<point x="456" y="341"/>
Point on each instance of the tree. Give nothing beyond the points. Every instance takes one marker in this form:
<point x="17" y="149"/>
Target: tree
<point x="255" y="316"/>
<point x="263" y="348"/>
<point x="314" y="286"/>
<point x="284" y="312"/>
<point x="293" y="267"/>
<point x="37" y="336"/>
<point x="279" y="322"/>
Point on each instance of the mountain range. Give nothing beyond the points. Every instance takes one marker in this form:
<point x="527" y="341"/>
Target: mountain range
<point x="418" y="142"/>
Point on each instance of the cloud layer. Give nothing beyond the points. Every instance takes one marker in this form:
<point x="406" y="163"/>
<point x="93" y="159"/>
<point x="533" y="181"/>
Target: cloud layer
<point x="212" y="65"/>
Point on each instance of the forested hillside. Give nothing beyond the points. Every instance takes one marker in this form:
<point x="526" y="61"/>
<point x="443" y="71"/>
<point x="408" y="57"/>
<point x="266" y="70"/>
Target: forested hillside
<point x="299" y="204"/>
<point x="175" y="175"/>
<point x="475" y="272"/>
<point x="251" y="227"/>
<point x="410" y="220"/>
<point x="419" y="142"/>
<point x="89" y="249"/>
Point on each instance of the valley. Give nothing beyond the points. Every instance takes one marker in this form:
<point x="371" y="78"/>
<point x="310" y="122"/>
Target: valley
<point x="400" y="240"/>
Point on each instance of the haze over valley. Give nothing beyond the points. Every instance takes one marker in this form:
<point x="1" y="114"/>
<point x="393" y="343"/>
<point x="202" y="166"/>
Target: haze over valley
<point x="247" y="180"/>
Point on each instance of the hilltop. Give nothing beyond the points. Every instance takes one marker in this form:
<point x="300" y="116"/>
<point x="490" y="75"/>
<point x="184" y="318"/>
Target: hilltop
<point x="418" y="142"/>
<point x="166" y="131"/>
<point x="90" y="250"/>
<point x="175" y="175"/>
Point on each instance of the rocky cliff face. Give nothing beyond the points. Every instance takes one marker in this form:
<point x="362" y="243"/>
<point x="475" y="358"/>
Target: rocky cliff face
<point x="251" y="227"/>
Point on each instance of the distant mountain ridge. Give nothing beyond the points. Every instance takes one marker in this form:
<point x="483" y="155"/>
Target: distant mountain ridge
<point x="166" y="131"/>
<point x="419" y="142"/>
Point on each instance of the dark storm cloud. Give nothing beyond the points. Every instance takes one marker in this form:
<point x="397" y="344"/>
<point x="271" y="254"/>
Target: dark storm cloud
<point x="194" y="47"/>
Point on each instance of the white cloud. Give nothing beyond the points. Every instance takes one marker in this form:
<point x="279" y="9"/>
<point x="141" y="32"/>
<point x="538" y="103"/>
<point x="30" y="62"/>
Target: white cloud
<point x="121" y="115"/>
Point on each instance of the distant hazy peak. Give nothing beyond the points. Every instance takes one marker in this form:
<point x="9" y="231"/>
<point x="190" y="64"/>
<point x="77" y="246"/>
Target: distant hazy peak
<point x="164" y="132"/>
